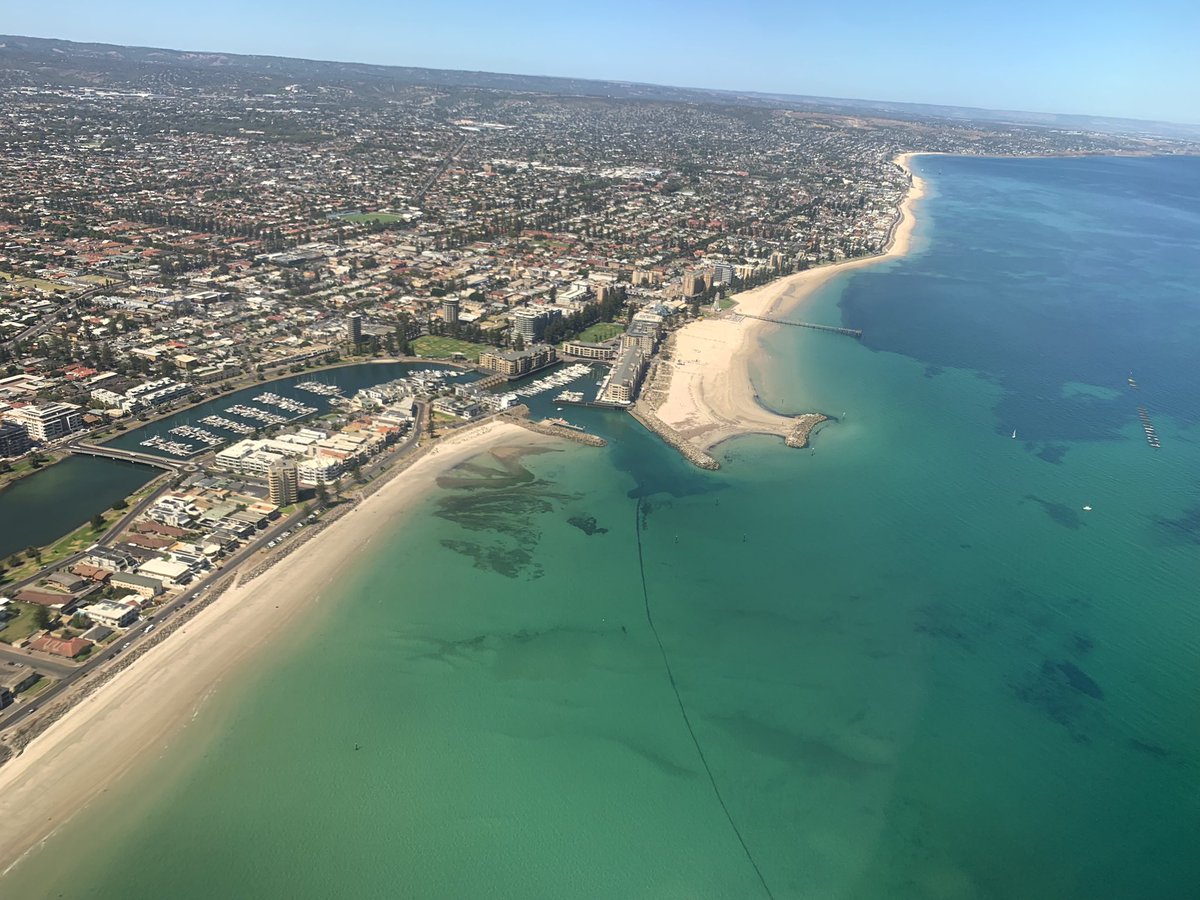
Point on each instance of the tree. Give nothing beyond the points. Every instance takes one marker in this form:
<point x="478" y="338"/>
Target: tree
<point x="322" y="493"/>
<point x="97" y="521"/>
<point x="41" y="616"/>
<point x="518" y="343"/>
<point x="33" y="553"/>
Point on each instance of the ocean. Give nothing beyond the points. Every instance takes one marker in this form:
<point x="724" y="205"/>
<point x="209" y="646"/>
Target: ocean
<point x="906" y="663"/>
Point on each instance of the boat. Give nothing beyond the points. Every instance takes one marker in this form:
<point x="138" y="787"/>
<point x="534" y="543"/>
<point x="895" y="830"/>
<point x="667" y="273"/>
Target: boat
<point x="1087" y="509"/>
<point x="1014" y="434"/>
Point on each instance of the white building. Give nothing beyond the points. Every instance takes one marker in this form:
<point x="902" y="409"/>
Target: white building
<point x="112" y="613"/>
<point x="48" y="421"/>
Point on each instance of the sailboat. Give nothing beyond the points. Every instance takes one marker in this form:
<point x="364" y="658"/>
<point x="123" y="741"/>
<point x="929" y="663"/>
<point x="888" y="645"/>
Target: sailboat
<point x="1014" y="434"/>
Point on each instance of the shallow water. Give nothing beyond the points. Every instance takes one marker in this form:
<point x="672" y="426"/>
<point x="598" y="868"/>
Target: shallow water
<point x="908" y="664"/>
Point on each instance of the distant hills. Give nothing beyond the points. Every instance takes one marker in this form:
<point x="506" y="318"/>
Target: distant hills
<point x="52" y="61"/>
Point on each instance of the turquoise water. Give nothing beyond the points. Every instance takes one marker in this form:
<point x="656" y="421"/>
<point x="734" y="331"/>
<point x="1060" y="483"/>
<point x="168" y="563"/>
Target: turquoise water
<point x="907" y="664"/>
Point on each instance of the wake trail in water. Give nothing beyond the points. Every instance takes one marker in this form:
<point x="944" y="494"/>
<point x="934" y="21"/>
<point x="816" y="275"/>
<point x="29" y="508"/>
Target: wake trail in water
<point x="683" y="709"/>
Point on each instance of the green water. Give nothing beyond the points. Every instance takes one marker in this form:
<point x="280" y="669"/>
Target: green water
<point x="908" y="664"/>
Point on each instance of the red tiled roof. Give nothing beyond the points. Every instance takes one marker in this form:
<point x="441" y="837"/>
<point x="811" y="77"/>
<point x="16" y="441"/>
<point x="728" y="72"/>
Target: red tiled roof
<point x="59" y="647"/>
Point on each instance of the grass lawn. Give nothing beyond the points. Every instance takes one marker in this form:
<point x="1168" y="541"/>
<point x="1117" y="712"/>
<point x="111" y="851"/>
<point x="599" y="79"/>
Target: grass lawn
<point x="726" y="303"/>
<point x="18" y="282"/>
<point x="445" y="347"/>
<point x="601" y="331"/>
<point x="374" y="217"/>
<point x="20" y="626"/>
<point x="37" y="687"/>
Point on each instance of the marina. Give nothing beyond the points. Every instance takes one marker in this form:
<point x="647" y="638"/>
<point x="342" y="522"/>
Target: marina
<point x="561" y="378"/>
<point x="203" y="435"/>
<point x="254" y="414"/>
<point x="292" y="406"/>
<point x="228" y="425"/>
<point x="172" y="448"/>
<point x="320" y="389"/>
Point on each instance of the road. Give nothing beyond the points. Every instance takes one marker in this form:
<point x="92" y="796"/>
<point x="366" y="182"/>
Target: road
<point x="33" y="331"/>
<point x="71" y="673"/>
<point x="74" y="672"/>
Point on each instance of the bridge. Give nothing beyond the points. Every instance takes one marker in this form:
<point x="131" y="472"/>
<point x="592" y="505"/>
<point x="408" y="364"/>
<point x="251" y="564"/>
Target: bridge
<point x="832" y="329"/>
<point x="133" y="456"/>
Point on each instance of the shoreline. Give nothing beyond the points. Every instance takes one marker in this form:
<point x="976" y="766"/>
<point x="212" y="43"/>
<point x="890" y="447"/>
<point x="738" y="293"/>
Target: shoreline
<point x="702" y="387"/>
<point x="84" y="754"/>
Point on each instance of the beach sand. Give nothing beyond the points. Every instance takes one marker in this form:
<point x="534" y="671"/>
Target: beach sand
<point x="710" y="395"/>
<point x="128" y="719"/>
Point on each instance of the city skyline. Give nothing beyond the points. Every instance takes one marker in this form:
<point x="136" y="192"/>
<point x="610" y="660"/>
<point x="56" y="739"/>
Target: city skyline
<point x="1102" y="60"/>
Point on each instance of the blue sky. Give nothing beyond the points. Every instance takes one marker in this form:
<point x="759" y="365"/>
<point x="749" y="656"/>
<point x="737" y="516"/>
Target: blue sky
<point x="1071" y="56"/>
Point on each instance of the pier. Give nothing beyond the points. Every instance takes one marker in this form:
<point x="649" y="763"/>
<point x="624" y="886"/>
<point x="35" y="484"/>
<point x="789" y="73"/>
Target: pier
<point x="832" y="329"/>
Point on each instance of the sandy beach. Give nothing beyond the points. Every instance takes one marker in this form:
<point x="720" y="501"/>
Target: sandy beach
<point x="709" y="390"/>
<point x="129" y="718"/>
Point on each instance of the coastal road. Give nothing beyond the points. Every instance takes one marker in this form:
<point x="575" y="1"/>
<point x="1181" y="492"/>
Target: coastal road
<point x="72" y="673"/>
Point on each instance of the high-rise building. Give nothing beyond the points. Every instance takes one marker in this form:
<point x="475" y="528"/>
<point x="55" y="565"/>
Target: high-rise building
<point x="14" y="439"/>
<point x="354" y="325"/>
<point x="283" y="483"/>
<point x="450" y="310"/>
<point x="530" y="323"/>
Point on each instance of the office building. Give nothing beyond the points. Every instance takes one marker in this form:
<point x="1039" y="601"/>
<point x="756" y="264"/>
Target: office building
<point x="450" y="310"/>
<point x="354" y="328"/>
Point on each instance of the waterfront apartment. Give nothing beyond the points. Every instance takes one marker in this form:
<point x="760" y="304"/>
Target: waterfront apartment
<point x="47" y="421"/>
<point x="14" y="439"/>
<point x="586" y="350"/>
<point x="515" y="363"/>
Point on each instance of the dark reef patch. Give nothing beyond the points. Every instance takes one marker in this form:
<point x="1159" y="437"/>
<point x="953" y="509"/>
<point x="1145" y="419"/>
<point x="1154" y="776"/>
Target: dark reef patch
<point x="587" y="524"/>
<point x="1184" y="528"/>
<point x="1059" y="512"/>
<point x="495" y="493"/>
<point x="1062" y="691"/>
<point x="1053" y="453"/>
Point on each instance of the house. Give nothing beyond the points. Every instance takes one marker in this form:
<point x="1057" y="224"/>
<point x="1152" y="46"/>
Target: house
<point x="112" y="613"/>
<point x="69" y="648"/>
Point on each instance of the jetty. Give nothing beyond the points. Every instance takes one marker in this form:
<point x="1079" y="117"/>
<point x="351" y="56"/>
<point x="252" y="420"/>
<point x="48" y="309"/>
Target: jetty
<point x="832" y="329"/>
<point x="560" y="428"/>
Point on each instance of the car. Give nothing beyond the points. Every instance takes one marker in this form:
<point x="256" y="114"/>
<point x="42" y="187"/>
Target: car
<point x="272" y="544"/>
<point x="149" y="629"/>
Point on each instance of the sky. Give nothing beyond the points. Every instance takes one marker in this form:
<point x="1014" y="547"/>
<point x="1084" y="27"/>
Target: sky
<point x="1096" y="57"/>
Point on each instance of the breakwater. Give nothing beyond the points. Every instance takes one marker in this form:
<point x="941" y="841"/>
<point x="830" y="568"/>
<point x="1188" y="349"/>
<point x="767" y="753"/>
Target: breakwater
<point x="805" y="424"/>
<point x="673" y="438"/>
